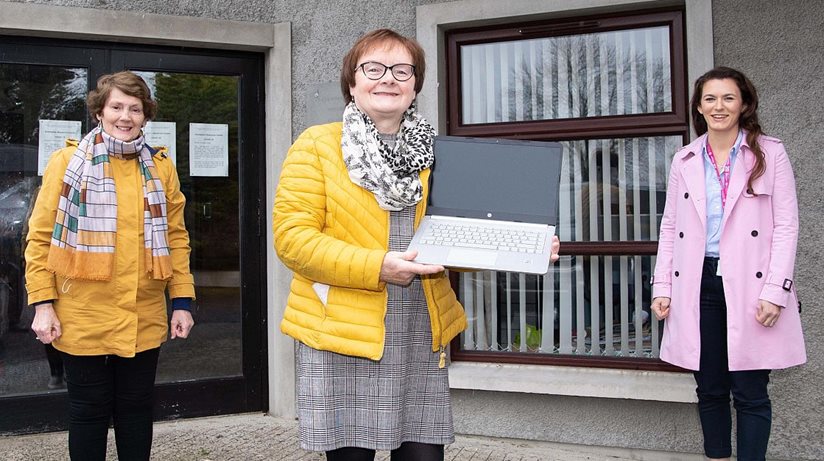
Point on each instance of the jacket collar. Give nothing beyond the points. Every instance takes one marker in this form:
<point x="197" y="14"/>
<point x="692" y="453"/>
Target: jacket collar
<point x="693" y="175"/>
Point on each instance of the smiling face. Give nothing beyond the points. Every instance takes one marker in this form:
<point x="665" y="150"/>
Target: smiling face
<point x="122" y="116"/>
<point x="721" y="105"/>
<point x="385" y="99"/>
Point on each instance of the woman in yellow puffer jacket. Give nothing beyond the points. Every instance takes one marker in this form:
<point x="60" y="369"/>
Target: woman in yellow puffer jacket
<point x="106" y="239"/>
<point x="371" y="325"/>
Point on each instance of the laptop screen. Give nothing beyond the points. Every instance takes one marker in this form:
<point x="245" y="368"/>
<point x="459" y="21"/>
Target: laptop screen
<point x="498" y="179"/>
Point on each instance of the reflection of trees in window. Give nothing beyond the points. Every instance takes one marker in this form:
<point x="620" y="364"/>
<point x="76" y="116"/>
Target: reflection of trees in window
<point x="29" y="93"/>
<point x="588" y="75"/>
<point x="636" y="174"/>
<point x="212" y="209"/>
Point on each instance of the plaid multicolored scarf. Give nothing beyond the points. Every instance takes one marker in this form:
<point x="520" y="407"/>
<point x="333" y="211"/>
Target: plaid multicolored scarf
<point x="83" y="240"/>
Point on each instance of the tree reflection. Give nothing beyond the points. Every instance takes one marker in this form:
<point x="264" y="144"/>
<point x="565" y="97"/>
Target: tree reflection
<point x="213" y="207"/>
<point x="29" y="93"/>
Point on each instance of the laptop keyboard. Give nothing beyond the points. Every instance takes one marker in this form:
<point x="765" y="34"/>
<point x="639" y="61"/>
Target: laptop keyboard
<point x="484" y="237"/>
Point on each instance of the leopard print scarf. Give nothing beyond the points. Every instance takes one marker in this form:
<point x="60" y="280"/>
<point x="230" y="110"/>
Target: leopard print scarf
<point x="391" y="174"/>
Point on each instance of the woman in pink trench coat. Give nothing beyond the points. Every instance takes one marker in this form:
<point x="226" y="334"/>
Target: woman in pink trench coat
<point x="724" y="272"/>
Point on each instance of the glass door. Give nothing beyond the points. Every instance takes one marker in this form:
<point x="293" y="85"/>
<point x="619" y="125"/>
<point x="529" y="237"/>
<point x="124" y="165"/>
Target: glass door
<point x="212" y="107"/>
<point x="212" y="218"/>
<point x="37" y="84"/>
<point x="209" y="116"/>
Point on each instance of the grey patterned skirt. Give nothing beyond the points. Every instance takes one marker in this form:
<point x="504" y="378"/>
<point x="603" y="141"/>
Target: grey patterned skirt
<point x="346" y="401"/>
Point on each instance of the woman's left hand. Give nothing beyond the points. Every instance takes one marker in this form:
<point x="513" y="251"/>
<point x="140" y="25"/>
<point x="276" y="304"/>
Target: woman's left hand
<point x="554" y="248"/>
<point x="181" y="324"/>
<point x="767" y="313"/>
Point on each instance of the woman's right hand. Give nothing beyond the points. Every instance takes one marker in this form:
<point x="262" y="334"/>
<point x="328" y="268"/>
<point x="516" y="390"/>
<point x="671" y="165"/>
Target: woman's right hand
<point x="46" y="324"/>
<point x="660" y="307"/>
<point x="399" y="269"/>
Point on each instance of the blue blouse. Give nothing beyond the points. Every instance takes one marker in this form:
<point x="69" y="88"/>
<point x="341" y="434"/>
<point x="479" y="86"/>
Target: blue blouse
<point x="715" y="209"/>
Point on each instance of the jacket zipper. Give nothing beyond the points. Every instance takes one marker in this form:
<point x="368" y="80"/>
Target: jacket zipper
<point x="441" y="347"/>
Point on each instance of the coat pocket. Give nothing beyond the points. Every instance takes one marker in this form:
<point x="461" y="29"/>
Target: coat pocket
<point x="322" y="290"/>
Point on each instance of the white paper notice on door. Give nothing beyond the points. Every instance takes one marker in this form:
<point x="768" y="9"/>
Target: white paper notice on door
<point x="208" y="149"/>
<point x="52" y="136"/>
<point x="162" y="134"/>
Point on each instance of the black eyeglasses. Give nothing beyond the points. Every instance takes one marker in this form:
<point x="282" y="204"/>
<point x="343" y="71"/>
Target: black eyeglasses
<point x="375" y="71"/>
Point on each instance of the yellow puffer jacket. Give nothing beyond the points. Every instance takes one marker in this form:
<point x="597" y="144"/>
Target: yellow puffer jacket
<point x="330" y="231"/>
<point x="127" y="314"/>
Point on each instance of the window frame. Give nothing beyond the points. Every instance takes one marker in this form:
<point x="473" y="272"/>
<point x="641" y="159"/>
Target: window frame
<point x="674" y="122"/>
<point x="614" y="126"/>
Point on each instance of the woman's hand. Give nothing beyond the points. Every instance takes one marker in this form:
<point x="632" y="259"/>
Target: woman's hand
<point x="398" y="268"/>
<point x="46" y="325"/>
<point x="181" y="324"/>
<point x="554" y="248"/>
<point x="767" y="313"/>
<point x="660" y="307"/>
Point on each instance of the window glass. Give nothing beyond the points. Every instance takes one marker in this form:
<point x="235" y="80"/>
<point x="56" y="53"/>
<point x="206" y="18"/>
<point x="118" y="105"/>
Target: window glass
<point x="609" y="89"/>
<point x="578" y="76"/>
<point x="614" y="189"/>
<point x="611" y="190"/>
<point x="29" y="93"/>
<point x="585" y="305"/>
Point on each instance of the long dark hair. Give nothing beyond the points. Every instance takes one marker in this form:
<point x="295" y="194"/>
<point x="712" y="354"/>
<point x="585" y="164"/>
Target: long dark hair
<point x="749" y="117"/>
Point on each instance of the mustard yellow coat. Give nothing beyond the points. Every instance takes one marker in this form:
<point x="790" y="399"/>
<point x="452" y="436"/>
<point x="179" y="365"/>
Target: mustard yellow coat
<point x="127" y="314"/>
<point x="330" y="231"/>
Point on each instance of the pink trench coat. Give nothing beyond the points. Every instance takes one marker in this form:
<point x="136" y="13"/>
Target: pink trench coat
<point x="757" y="253"/>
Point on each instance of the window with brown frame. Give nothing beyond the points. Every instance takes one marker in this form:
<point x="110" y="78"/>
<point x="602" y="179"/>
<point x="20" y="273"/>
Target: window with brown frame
<point x="611" y="89"/>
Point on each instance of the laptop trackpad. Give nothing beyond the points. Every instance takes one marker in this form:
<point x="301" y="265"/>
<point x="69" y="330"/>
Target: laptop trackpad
<point x="470" y="258"/>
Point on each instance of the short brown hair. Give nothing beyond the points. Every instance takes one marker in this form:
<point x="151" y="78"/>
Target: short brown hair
<point x="127" y="82"/>
<point x="368" y="41"/>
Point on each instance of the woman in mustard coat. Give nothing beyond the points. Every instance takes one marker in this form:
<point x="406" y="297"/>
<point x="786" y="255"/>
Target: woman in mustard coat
<point x="106" y="239"/>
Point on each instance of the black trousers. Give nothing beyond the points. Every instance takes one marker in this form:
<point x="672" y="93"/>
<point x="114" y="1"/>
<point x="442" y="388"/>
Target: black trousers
<point x="55" y="360"/>
<point x="104" y="388"/>
<point x="715" y="383"/>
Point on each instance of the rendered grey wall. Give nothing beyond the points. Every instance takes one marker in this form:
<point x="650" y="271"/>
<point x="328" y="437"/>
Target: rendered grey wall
<point x="777" y="43"/>
<point x="779" y="46"/>
<point x="322" y="30"/>
<point x="649" y="425"/>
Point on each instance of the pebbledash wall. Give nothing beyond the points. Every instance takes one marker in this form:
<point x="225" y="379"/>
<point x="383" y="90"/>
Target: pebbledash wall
<point x="778" y="44"/>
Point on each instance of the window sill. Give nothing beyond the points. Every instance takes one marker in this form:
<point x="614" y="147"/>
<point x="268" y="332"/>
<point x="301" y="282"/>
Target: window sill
<point x="574" y="381"/>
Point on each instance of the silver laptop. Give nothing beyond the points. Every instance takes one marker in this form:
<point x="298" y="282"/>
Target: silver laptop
<point x="493" y="204"/>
